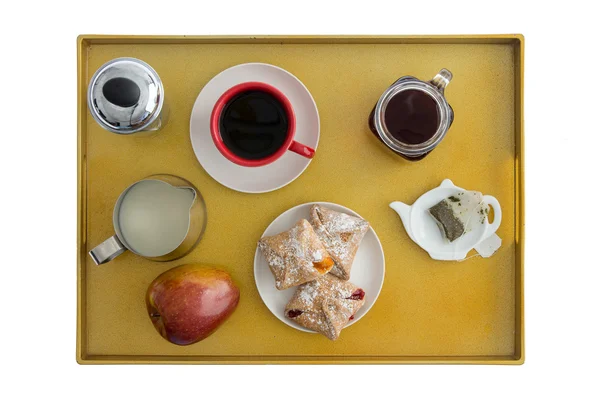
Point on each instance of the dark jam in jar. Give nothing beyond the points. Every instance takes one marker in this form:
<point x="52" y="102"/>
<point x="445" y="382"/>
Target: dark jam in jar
<point x="411" y="117"/>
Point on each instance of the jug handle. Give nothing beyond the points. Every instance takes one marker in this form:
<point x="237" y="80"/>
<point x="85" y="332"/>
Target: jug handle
<point x="442" y="79"/>
<point x="107" y="250"/>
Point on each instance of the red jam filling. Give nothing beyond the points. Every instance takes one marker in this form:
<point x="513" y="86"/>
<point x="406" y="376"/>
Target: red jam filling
<point x="293" y="313"/>
<point x="351" y="318"/>
<point x="358" y="294"/>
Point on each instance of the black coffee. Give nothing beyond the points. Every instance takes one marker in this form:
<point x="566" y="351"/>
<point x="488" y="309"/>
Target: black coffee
<point x="253" y="124"/>
<point x="412" y="117"/>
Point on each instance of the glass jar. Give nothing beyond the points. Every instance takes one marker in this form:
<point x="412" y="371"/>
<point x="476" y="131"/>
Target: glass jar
<point x="434" y="91"/>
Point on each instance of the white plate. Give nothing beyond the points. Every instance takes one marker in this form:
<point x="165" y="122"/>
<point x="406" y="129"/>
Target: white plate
<point x="367" y="271"/>
<point x="257" y="179"/>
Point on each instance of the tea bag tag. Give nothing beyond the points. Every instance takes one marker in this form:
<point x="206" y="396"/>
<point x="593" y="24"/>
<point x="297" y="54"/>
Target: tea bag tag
<point x="489" y="246"/>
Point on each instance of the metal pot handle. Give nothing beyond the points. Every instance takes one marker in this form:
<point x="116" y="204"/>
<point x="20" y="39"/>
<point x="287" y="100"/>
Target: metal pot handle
<point x="107" y="250"/>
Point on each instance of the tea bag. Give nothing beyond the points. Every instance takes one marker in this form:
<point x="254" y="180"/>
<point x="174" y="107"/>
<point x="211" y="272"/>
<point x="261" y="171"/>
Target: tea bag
<point x="455" y="214"/>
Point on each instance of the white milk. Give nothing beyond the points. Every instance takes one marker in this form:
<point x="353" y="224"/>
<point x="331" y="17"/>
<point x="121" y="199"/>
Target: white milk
<point x="154" y="217"/>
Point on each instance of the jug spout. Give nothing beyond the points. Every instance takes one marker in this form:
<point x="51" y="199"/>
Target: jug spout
<point x="403" y="211"/>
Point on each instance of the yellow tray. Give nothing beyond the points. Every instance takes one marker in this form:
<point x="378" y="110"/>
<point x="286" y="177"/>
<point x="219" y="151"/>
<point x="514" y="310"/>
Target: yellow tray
<point x="428" y="311"/>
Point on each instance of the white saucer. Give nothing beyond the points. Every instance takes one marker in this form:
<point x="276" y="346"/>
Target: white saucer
<point x="258" y="179"/>
<point x="368" y="269"/>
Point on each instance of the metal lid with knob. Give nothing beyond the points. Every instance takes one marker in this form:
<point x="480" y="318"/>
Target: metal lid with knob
<point x="125" y="96"/>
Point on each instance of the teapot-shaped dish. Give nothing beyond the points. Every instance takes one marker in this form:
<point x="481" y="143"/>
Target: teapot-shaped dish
<point x="423" y="229"/>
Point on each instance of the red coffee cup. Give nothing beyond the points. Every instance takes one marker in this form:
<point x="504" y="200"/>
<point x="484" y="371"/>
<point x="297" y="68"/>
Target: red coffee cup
<point x="289" y="143"/>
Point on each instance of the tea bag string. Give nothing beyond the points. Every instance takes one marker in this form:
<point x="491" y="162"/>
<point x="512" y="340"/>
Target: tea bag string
<point x="468" y="258"/>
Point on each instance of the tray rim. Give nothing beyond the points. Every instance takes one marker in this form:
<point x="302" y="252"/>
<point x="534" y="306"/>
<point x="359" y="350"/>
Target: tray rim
<point x="518" y="43"/>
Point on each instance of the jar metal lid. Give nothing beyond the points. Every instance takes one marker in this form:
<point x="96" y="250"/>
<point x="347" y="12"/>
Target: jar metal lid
<point x="125" y="95"/>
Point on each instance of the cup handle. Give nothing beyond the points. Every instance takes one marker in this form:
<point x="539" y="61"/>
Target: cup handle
<point x="493" y="227"/>
<point x="107" y="250"/>
<point x="301" y="149"/>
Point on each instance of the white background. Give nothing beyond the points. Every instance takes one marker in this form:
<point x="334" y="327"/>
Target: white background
<point x="38" y="198"/>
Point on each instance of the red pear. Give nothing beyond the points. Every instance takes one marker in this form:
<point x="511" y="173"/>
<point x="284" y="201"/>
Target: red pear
<point x="188" y="303"/>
